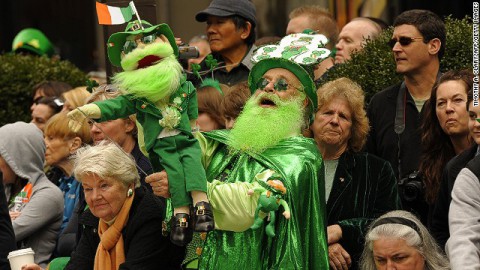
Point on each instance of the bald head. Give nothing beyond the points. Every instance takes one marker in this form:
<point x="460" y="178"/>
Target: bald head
<point x="353" y="36"/>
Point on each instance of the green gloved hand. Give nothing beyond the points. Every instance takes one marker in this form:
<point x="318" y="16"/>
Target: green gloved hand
<point x="80" y="114"/>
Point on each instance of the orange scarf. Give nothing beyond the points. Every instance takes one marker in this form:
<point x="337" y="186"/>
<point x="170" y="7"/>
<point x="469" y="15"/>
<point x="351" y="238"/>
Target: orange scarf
<point x="110" y="252"/>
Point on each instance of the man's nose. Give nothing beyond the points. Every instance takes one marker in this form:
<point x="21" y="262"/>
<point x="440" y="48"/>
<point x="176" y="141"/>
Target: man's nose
<point x="269" y="87"/>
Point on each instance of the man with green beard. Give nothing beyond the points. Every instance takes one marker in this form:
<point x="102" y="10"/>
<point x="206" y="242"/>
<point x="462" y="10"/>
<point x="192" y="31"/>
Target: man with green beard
<point x="166" y="107"/>
<point x="266" y="136"/>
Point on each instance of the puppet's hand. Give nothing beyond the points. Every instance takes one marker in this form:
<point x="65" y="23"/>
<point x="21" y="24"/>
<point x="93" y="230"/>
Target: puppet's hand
<point x="78" y="116"/>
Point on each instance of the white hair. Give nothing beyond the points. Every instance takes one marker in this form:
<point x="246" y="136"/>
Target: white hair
<point x="421" y="240"/>
<point x="106" y="160"/>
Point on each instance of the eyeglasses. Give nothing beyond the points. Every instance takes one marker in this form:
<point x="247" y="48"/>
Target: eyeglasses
<point x="404" y="41"/>
<point x="280" y="85"/>
<point x="131" y="45"/>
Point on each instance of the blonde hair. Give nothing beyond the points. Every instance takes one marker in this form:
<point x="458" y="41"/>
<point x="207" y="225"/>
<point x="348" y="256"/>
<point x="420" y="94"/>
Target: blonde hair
<point x="106" y="160"/>
<point x="77" y="96"/>
<point x="57" y="127"/>
<point x="353" y="94"/>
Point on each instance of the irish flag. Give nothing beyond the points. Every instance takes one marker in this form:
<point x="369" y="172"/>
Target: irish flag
<point x="114" y="15"/>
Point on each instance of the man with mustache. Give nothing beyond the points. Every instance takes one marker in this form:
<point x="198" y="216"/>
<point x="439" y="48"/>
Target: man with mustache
<point x="267" y="135"/>
<point x="166" y="107"/>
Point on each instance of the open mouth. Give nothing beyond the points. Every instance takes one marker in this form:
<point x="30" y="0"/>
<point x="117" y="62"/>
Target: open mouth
<point x="266" y="102"/>
<point x="148" y="60"/>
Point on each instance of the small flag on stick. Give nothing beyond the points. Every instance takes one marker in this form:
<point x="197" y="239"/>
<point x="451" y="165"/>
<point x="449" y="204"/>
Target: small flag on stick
<point x="114" y="15"/>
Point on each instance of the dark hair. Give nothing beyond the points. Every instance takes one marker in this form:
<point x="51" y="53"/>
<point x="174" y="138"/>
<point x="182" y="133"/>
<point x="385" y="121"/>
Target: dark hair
<point x="55" y="103"/>
<point x="241" y="23"/>
<point x="429" y="24"/>
<point x="51" y="88"/>
<point x="436" y="144"/>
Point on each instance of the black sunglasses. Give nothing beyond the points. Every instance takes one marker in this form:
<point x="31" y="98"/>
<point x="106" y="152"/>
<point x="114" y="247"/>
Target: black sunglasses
<point x="404" y="41"/>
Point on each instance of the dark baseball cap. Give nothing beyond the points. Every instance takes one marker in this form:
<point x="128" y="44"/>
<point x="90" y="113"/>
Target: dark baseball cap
<point x="225" y="8"/>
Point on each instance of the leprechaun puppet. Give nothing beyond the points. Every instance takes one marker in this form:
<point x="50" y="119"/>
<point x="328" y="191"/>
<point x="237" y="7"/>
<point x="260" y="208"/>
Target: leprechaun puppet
<point x="155" y="89"/>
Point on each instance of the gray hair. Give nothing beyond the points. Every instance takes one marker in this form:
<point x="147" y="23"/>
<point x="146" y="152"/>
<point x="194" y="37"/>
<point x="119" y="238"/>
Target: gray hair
<point x="106" y="160"/>
<point x="421" y="240"/>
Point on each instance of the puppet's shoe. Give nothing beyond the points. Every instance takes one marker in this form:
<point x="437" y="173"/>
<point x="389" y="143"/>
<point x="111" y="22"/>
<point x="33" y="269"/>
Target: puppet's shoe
<point x="181" y="231"/>
<point x="203" y="217"/>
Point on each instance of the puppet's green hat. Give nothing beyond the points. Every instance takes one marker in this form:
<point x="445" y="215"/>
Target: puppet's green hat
<point x="32" y="40"/>
<point x="117" y="40"/>
<point x="298" y="53"/>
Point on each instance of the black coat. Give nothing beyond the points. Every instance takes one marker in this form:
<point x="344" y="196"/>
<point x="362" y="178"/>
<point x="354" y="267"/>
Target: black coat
<point x="439" y="226"/>
<point x="145" y="246"/>
<point x="364" y="188"/>
<point x="383" y="142"/>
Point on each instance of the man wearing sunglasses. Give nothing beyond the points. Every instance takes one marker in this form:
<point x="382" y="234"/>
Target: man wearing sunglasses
<point x="267" y="135"/>
<point x="418" y="44"/>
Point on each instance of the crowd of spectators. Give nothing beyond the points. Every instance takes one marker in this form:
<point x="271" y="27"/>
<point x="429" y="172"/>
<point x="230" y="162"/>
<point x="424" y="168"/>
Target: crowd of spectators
<point x="399" y="176"/>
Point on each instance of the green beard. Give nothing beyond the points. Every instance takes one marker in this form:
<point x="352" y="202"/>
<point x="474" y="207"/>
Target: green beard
<point x="257" y="128"/>
<point x="155" y="82"/>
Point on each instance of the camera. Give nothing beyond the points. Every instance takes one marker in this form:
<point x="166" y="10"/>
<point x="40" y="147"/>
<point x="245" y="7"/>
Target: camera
<point x="411" y="187"/>
<point x="188" y="52"/>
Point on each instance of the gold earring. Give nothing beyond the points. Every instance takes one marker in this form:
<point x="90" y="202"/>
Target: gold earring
<point x="129" y="192"/>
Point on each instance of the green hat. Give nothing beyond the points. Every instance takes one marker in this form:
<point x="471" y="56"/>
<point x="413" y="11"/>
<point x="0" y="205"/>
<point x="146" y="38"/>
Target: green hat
<point x="298" y="53"/>
<point x="117" y="40"/>
<point x="32" y="40"/>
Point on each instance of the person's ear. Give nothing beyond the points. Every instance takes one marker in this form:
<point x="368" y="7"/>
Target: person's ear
<point x="306" y="102"/>
<point x="75" y="143"/>
<point x="129" y="125"/>
<point x="434" y="46"/>
<point x="246" y="30"/>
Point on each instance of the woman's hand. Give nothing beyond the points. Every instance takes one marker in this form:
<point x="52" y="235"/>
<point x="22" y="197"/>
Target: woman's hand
<point x="159" y="183"/>
<point x="334" y="233"/>
<point x="339" y="258"/>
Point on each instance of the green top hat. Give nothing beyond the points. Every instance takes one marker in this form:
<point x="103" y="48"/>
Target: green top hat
<point x="117" y="40"/>
<point x="298" y="53"/>
<point x="32" y="40"/>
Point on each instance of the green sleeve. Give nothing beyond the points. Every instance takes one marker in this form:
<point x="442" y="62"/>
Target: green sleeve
<point x="207" y="146"/>
<point x="233" y="208"/>
<point x="193" y="105"/>
<point x="119" y="107"/>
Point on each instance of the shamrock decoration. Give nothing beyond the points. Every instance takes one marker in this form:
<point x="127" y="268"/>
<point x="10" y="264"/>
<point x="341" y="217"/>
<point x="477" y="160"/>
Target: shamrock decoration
<point x="195" y="70"/>
<point x="90" y="85"/>
<point x="211" y="62"/>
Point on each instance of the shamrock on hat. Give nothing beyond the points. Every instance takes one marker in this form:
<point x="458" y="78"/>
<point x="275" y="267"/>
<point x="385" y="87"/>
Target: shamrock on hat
<point x="299" y="53"/>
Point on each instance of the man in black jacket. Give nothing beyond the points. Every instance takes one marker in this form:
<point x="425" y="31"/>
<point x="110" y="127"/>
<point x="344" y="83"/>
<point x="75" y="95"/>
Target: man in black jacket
<point x="418" y="44"/>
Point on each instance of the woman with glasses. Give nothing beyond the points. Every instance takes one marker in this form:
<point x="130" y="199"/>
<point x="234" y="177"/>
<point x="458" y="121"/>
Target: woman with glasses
<point x="359" y="187"/>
